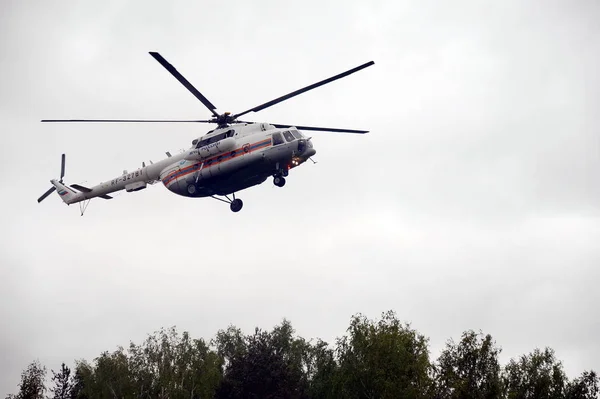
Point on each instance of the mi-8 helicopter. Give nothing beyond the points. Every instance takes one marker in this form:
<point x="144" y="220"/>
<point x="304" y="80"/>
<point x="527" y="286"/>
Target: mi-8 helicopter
<point x="236" y="155"/>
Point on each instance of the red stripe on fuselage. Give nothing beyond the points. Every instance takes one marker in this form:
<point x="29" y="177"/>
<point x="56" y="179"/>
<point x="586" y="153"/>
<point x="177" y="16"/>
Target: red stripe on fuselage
<point x="176" y="175"/>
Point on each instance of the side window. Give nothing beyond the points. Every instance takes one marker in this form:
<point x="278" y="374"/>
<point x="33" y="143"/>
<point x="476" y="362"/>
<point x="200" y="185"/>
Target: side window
<point x="297" y="134"/>
<point x="214" y="139"/>
<point x="218" y="137"/>
<point x="288" y="136"/>
<point x="277" y="139"/>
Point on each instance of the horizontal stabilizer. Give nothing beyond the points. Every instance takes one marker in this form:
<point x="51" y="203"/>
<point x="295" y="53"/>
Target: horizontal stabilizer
<point x="81" y="188"/>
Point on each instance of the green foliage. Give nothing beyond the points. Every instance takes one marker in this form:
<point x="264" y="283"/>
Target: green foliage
<point x="469" y="369"/>
<point x="62" y="383"/>
<point x="385" y="359"/>
<point x="375" y="359"/>
<point x="322" y="371"/>
<point x="537" y="375"/>
<point x="32" y="382"/>
<point x="584" y="387"/>
<point x="169" y="365"/>
<point x="166" y="365"/>
<point x="263" y="365"/>
<point x="82" y="371"/>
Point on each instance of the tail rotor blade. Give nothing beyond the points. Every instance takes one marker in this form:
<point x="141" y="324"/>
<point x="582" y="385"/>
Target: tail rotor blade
<point x="47" y="193"/>
<point x="62" y="168"/>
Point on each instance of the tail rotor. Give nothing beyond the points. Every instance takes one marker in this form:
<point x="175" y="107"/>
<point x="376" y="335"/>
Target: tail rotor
<point x="52" y="189"/>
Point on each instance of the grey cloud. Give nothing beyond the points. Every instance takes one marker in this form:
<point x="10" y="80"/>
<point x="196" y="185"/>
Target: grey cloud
<point x="473" y="202"/>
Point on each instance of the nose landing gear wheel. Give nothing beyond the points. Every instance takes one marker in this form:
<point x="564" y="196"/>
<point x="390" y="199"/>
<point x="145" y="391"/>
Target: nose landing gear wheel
<point x="236" y="205"/>
<point x="279" y="181"/>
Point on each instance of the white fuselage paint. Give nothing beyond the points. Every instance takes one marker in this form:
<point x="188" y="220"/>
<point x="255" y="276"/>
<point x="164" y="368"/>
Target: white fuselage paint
<point x="228" y="165"/>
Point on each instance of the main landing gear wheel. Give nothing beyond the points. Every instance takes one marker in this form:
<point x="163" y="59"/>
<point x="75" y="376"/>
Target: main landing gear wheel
<point x="279" y="181"/>
<point x="236" y="205"/>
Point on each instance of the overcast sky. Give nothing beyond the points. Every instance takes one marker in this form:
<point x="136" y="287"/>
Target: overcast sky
<point x="473" y="203"/>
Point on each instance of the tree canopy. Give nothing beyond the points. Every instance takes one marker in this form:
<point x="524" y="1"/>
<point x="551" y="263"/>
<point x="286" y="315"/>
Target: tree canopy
<point x="382" y="358"/>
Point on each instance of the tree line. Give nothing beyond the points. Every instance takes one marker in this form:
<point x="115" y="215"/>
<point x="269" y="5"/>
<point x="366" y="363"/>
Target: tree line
<point x="382" y="358"/>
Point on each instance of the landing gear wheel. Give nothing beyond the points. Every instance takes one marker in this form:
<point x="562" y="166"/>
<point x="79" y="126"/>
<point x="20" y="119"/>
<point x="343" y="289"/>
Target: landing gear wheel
<point x="279" y="181"/>
<point x="191" y="189"/>
<point x="236" y="205"/>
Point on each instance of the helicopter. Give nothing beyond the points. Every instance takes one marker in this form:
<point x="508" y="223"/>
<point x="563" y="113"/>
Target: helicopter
<point x="234" y="156"/>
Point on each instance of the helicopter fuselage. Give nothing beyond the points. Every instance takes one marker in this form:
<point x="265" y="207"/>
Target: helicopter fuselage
<point x="253" y="153"/>
<point x="224" y="161"/>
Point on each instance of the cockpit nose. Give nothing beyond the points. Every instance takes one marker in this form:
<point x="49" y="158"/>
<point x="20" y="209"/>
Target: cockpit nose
<point x="305" y="148"/>
<point x="303" y="152"/>
<point x="302" y="146"/>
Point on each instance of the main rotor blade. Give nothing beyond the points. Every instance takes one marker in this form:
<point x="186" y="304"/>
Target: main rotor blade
<point x="124" y="120"/>
<point x="47" y="193"/>
<point x="184" y="82"/>
<point x="62" y="168"/>
<point x="322" y="129"/>
<point x="305" y="89"/>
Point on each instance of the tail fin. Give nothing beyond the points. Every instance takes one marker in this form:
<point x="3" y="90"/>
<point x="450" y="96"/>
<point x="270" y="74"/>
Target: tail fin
<point x="67" y="194"/>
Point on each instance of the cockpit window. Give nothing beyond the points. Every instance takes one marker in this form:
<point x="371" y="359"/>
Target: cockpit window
<point x="214" y="139"/>
<point x="296" y="134"/>
<point x="277" y="139"/>
<point x="288" y="136"/>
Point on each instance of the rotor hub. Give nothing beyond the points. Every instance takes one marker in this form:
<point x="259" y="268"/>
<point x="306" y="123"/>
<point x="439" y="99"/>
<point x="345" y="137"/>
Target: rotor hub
<point x="224" y="119"/>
